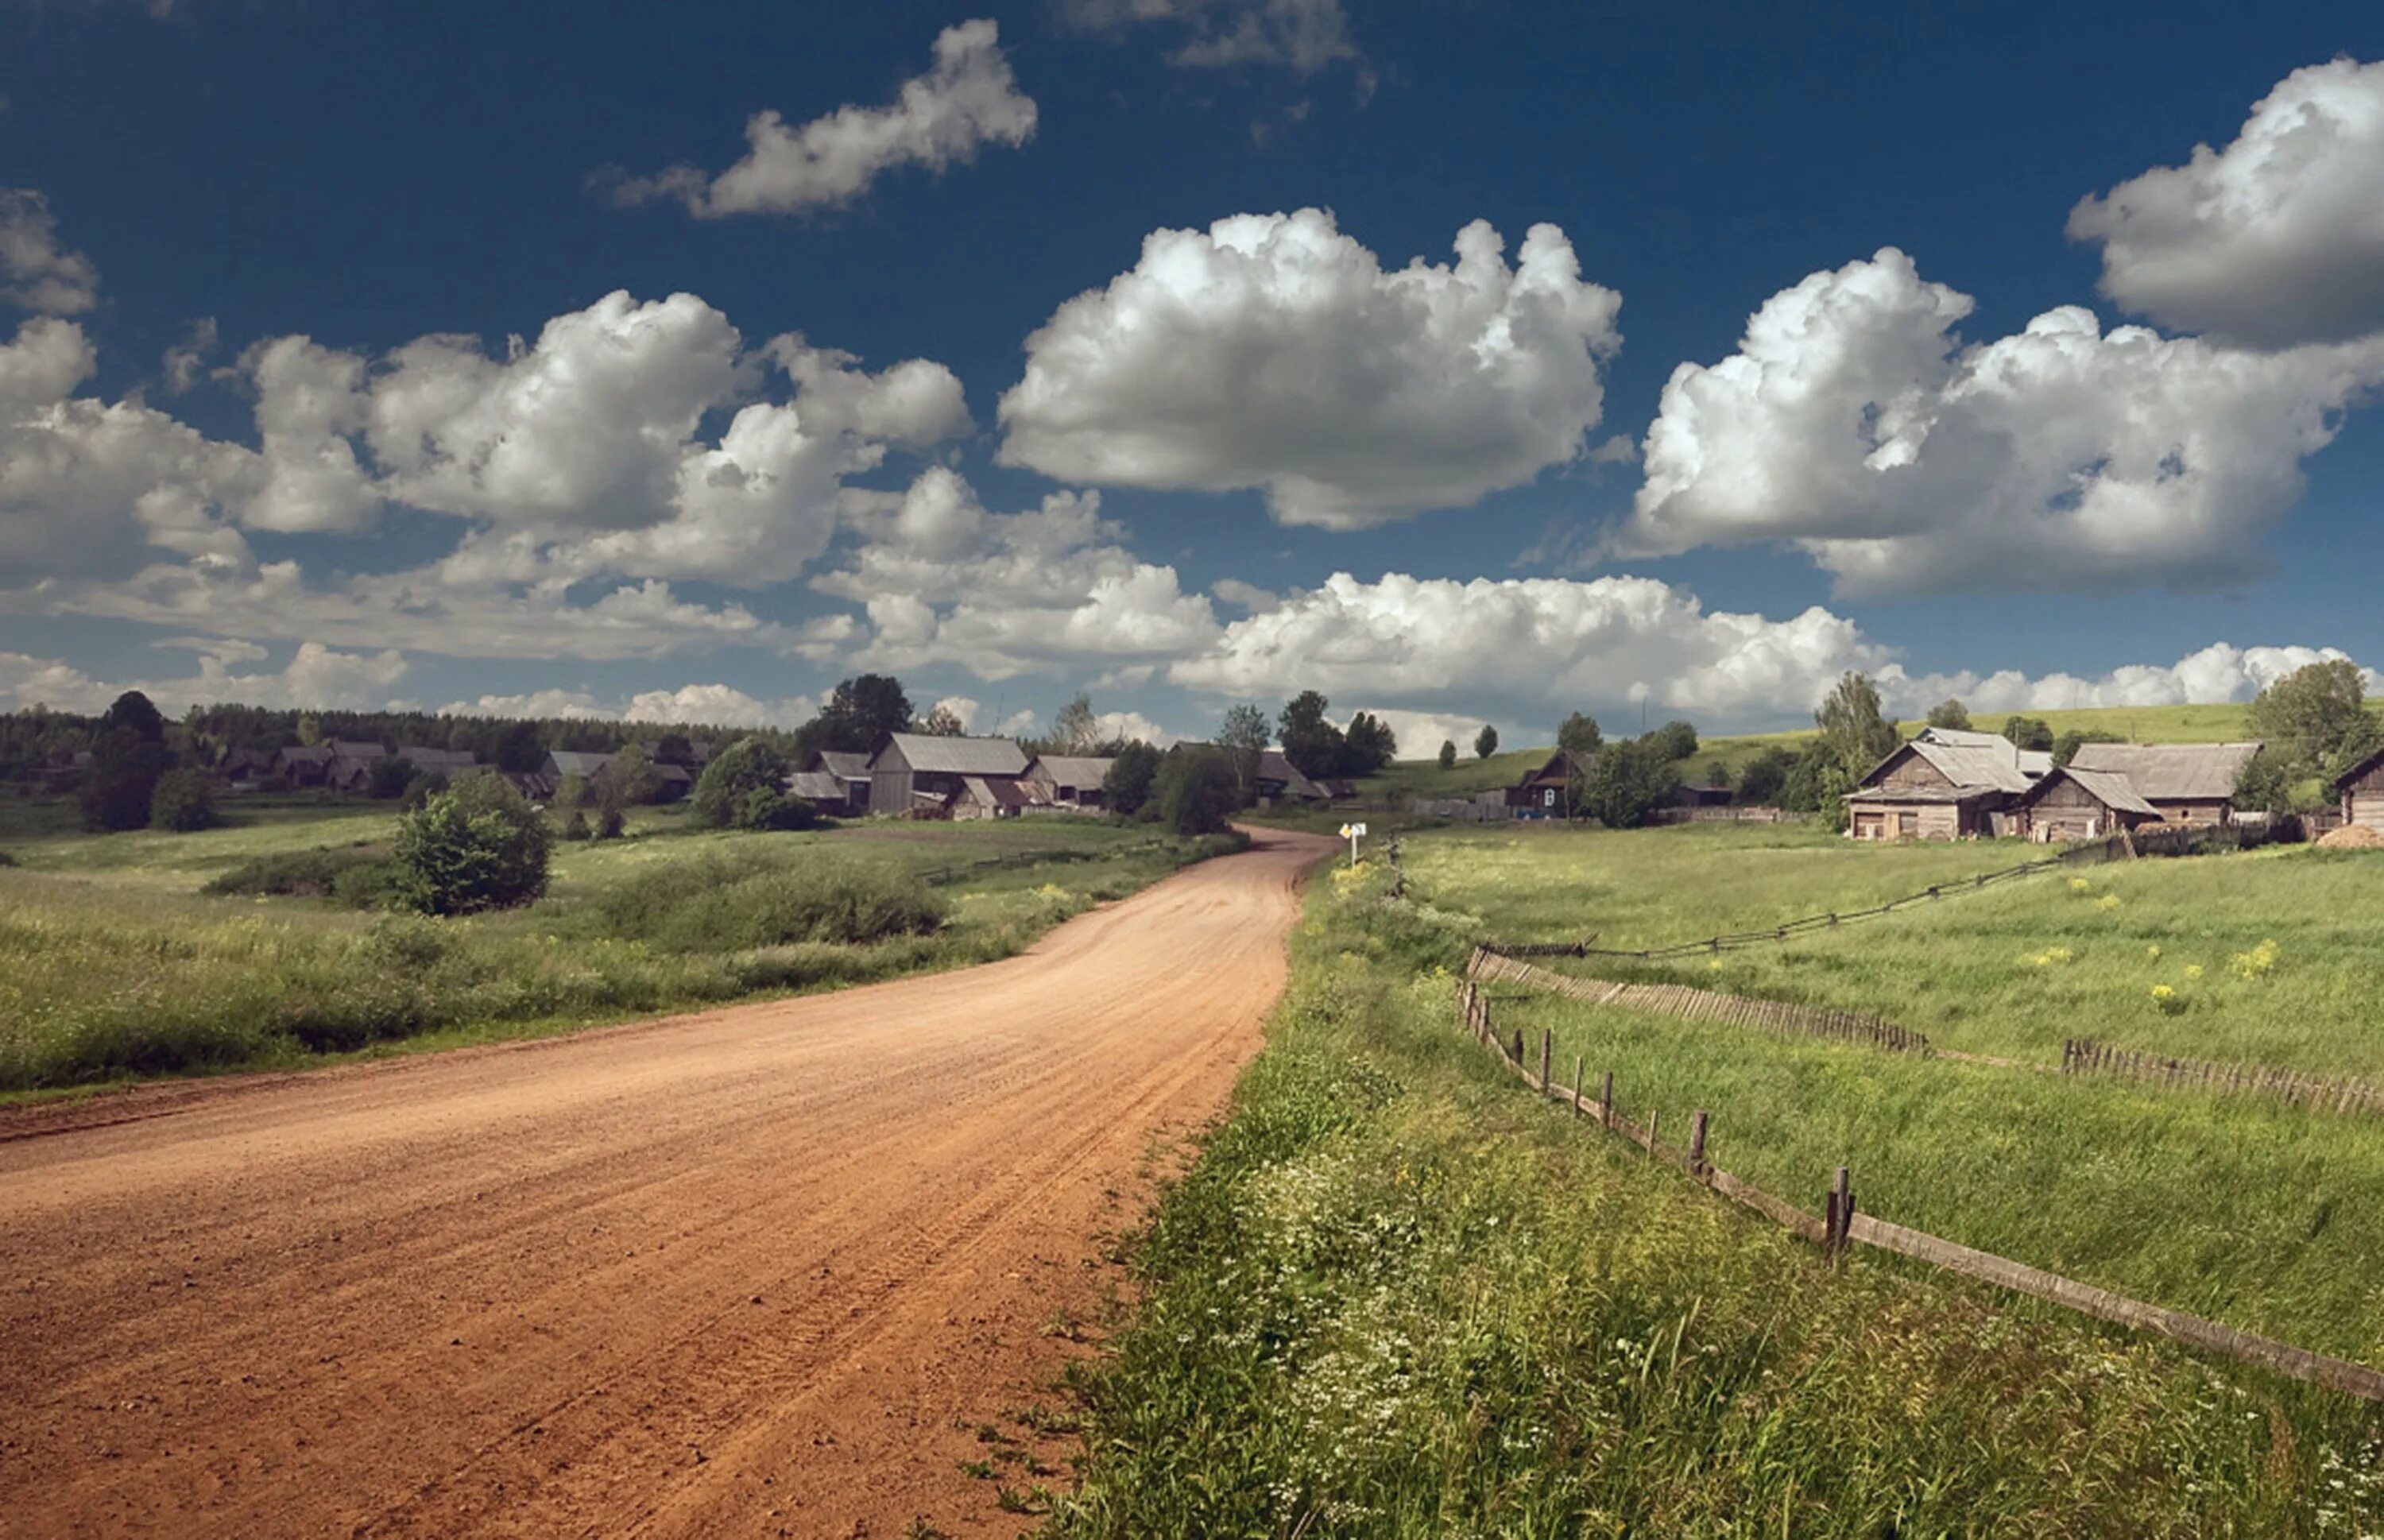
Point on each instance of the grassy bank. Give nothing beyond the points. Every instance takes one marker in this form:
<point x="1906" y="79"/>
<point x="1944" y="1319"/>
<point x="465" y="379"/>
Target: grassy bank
<point x="2010" y="971"/>
<point x="114" y="964"/>
<point x="1400" y="1296"/>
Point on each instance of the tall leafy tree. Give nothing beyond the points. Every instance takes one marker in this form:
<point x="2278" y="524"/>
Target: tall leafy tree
<point x="861" y="712"/>
<point x="132" y="711"/>
<point x="1629" y="783"/>
<point x="1243" y="735"/>
<point x="1309" y="739"/>
<point x="1759" y="783"/>
<point x="125" y="769"/>
<point x="1075" y="730"/>
<point x="1485" y="743"/>
<point x="1674" y="740"/>
<point x="1447" y="754"/>
<point x="1127" y="787"/>
<point x="1196" y="791"/>
<point x="1368" y="745"/>
<point x="2032" y="733"/>
<point x="1951" y="713"/>
<point x="2306" y="717"/>
<point x="1579" y="735"/>
<point x="1852" y="730"/>
<point x="942" y="722"/>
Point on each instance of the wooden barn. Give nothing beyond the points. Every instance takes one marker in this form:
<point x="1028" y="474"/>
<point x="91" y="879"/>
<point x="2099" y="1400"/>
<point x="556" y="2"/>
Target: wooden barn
<point x="2362" y="790"/>
<point x="851" y="772"/>
<point x="2186" y="783"/>
<point x="2071" y="803"/>
<point x="1930" y="790"/>
<point x="1546" y="792"/>
<point x="917" y="770"/>
<point x="1068" y="780"/>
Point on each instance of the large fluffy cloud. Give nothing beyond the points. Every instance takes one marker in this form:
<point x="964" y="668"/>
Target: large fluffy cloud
<point x="944" y="582"/>
<point x="1853" y="420"/>
<point x="36" y="272"/>
<point x="1303" y="35"/>
<point x="1528" y="646"/>
<point x="2278" y="238"/>
<point x="2217" y="673"/>
<point x="968" y="100"/>
<point x="1272" y="351"/>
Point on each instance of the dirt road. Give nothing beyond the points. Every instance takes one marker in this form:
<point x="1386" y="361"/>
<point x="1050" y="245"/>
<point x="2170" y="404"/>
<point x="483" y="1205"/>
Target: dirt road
<point x="758" y="1271"/>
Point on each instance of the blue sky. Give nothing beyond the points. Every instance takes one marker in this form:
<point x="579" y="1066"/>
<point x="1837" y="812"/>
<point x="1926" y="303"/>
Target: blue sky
<point x="647" y="506"/>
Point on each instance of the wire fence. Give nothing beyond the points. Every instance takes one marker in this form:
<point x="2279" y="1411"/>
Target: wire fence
<point x="1838" y="1226"/>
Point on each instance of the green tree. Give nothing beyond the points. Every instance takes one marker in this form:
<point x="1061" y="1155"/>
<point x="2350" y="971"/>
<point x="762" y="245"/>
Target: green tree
<point x="2032" y="733"/>
<point x="1629" y="782"/>
<point x="310" y="731"/>
<point x="748" y="765"/>
<point x="1579" y="736"/>
<point x="1675" y="740"/>
<point x="861" y="712"/>
<point x="1817" y="783"/>
<point x="1075" y="730"/>
<point x="1309" y="739"/>
<point x="1244" y="737"/>
<point x="769" y="809"/>
<point x="2306" y="717"/>
<point x="942" y="722"/>
<point x="518" y="750"/>
<point x="1853" y="731"/>
<point x="132" y="711"/>
<point x="570" y="794"/>
<point x="2065" y="747"/>
<point x="125" y="769"/>
<point x="1198" y="792"/>
<point x="1368" y="745"/>
<point x="1718" y="776"/>
<point x="1950" y="712"/>
<point x="633" y="771"/>
<point x="574" y="828"/>
<point x="386" y="776"/>
<point x="1447" y="754"/>
<point x="182" y="802"/>
<point x="1127" y="787"/>
<point x="674" y="749"/>
<point x="1485" y="743"/>
<point x="1759" y="783"/>
<point x="479" y="846"/>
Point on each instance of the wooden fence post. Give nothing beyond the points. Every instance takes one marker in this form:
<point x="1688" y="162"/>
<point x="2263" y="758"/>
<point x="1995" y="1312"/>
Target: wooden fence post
<point x="1547" y="1039"/>
<point x="1576" y="1084"/>
<point x="1839" y="1216"/>
<point x="1697" y="1143"/>
<point x="1605" y="1101"/>
<point x="1651" y="1133"/>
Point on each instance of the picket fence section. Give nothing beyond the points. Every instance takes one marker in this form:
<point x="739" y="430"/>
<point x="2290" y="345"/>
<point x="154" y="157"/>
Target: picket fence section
<point x="1840" y="1224"/>
<point x="2324" y="1093"/>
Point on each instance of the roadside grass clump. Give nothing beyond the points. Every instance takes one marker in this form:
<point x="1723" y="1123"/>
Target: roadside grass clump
<point x="296" y="874"/>
<point x="724" y="901"/>
<point x="1398" y="1297"/>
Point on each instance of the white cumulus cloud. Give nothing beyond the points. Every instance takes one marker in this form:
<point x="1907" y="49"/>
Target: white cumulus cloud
<point x="719" y="705"/>
<point x="1854" y="421"/>
<point x="2216" y="674"/>
<point x="1272" y="351"/>
<point x="316" y="676"/>
<point x="969" y="99"/>
<point x="36" y="273"/>
<point x="2276" y="239"/>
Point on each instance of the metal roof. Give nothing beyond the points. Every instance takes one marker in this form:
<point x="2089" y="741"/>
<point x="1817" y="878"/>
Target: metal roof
<point x="1076" y="772"/>
<point x="1274" y="766"/>
<point x="1997" y="768"/>
<point x="816" y="786"/>
<point x="2107" y="787"/>
<point x="993" y="791"/>
<point x="572" y="761"/>
<point x="2171" y="772"/>
<point x="958" y="756"/>
<point x="440" y="759"/>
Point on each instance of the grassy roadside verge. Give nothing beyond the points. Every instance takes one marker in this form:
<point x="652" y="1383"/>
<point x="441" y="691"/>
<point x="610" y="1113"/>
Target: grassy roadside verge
<point x="104" y="981"/>
<point x="1398" y="1297"/>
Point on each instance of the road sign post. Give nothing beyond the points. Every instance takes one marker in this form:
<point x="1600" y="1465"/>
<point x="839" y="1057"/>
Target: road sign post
<point x="1353" y="833"/>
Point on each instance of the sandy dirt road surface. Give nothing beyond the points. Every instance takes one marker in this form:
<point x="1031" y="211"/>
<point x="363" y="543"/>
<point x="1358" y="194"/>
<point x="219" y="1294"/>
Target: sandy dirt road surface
<point x="757" y="1270"/>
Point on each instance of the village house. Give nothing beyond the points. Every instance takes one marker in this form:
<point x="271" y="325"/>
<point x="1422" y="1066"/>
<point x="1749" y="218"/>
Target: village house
<point x="1926" y="790"/>
<point x="1279" y="781"/>
<point x="453" y="763"/>
<point x="1546" y="792"/>
<point x="820" y="790"/>
<point x="2362" y="790"/>
<point x="2188" y="783"/>
<point x="1068" y="780"/>
<point x="2071" y="803"/>
<point x="849" y="798"/>
<point x="337" y="764"/>
<point x="922" y="773"/>
<point x="560" y="763"/>
<point x="2031" y="762"/>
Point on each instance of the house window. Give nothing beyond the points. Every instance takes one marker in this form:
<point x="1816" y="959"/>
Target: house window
<point x="1548" y="796"/>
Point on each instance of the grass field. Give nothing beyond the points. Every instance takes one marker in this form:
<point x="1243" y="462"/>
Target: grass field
<point x="1397" y="1295"/>
<point x="114" y="964"/>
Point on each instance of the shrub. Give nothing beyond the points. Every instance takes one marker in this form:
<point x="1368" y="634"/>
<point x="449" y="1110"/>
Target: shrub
<point x="182" y="802"/>
<point x="1447" y="754"/>
<point x="1196" y="792"/>
<point x="299" y="873"/>
<point x="744" y="767"/>
<point x="766" y="809"/>
<point x="386" y="777"/>
<point x="479" y="846"/>
<point x="1126" y="787"/>
<point x="370" y="885"/>
<point x="6" y="859"/>
<point x="728" y="902"/>
<point x="610" y="821"/>
<point x="574" y="828"/>
<point x="421" y="789"/>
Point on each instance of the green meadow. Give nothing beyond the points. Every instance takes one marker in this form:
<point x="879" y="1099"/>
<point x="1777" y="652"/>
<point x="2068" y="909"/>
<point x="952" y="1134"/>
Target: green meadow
<point x="118" y="961"/>
<point x="1398" y="1294"/>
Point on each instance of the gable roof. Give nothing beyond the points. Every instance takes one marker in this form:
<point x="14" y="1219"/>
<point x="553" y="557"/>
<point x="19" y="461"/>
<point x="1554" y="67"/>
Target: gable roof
<point x="842" y="763"/>
<point x="2107" y="787"/>
<point x="1274" y="766"/>
<point x="1558" y="766"/>
<point x="2173" y="772"/>
<point x="2342" y="782"/>
<point x="816" y="786"/>
<point x="351" y="749"/>
<point x="993" y="792"/>
<point x="440" y="759"/>
<point x="572" y="761"/>
<point x="1968" y="767"/>
<point x="958" y="756"/>
<point x="1075" y="772"/>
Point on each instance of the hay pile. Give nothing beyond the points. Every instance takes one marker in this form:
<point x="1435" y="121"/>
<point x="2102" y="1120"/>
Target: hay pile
<point x="2351" y="837"/>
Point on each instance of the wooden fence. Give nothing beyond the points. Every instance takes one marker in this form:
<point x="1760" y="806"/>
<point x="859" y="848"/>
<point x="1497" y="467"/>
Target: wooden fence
<point x="1840" y="1224"/>
<point x="1692" y="1004"/>
<point x="2331" y="1093"/>
<point x="2078" y="1055"/>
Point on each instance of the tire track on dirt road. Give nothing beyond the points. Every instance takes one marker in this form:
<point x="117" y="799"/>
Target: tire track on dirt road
<point x="514" y="1290"/>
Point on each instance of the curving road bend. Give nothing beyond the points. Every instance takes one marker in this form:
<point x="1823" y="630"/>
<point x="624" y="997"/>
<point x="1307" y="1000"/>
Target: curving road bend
<point x="756" y="1271"/>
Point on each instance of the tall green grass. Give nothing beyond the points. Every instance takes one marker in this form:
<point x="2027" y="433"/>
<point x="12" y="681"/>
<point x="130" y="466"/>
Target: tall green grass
<point x="1396" y="1297"/>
